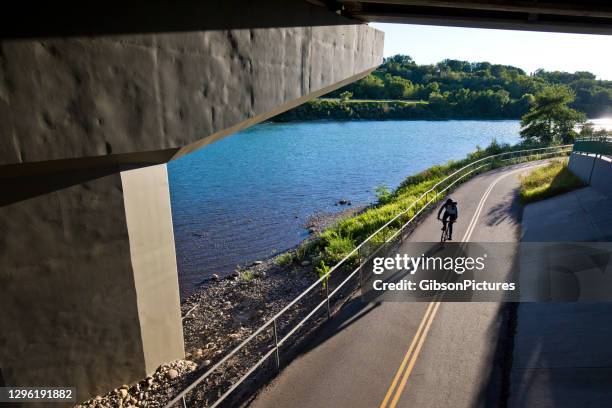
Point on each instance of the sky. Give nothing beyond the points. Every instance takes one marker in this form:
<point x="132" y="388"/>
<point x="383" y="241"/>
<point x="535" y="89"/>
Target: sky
<point x="524" y="49"/>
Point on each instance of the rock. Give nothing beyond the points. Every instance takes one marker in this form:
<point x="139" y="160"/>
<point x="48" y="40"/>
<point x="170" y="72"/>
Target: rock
<point x="172" y="374"/>
<point x="234" y="336"/>
<point x="305" y="262"/>
<point x="343" y="202"/>
<point x="206" y="363"/>
<point x="198" y="353"/>
<point x="123" y="393"/>
<point x="215" y="277"/>
<point x="257" y="263"/>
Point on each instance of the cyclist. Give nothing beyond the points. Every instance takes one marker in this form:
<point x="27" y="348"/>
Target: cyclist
<point x="450" y="212"/>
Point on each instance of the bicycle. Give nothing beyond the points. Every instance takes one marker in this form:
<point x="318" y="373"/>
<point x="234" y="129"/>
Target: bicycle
<point x="446" y="231"/>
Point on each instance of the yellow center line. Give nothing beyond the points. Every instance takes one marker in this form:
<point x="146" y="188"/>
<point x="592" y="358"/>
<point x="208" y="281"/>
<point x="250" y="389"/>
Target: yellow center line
<point x="400" y="389"/>
<point x="406" y="357"/>
<point x="410" y="358"/>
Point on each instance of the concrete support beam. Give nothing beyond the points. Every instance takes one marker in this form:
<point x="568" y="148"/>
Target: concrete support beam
<point x="89" y="291"/>
<point x="88" y="278"/>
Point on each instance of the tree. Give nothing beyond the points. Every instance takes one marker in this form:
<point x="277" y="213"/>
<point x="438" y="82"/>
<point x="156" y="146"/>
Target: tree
<point x="551" y="120"/>
<point x="345" y="96"/>
<point x="397" y="87"/>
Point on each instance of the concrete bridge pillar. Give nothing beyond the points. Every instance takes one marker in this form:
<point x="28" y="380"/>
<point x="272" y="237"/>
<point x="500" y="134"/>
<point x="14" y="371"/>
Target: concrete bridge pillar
<point x="88" y="280"/>
<point x="88" y="118"/>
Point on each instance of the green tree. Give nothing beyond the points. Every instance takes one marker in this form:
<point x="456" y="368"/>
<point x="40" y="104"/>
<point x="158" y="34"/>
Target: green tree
<point x="345" y="96"/>
<point x="398" y="87"/>
<point x="551" y="120"/>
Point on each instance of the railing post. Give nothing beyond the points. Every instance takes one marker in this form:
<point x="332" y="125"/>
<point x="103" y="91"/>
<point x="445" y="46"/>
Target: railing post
<point x="276" y="346"/>
<point x="360" y="268"/>
<point x="327" y="296"/>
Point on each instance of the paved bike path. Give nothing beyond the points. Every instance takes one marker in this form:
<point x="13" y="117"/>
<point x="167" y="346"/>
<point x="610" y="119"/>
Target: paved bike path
<point x="358" y="356"/>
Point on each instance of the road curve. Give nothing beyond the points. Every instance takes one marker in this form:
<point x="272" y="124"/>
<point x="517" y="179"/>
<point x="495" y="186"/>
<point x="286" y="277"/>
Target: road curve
<point x="401" y="354"/>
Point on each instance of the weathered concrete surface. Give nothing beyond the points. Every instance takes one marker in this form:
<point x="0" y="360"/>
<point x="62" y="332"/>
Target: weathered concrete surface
<point x="88" y="285"/>
<point x="593" y="170"/>
<point x="79" y="97"/>
<point x="562" y="355"/>
<point x="67" y="288"/>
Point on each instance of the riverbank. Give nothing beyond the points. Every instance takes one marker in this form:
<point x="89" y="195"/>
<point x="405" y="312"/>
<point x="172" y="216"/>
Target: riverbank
<point x="389" y="109"/>
<point x="355" y="109"/>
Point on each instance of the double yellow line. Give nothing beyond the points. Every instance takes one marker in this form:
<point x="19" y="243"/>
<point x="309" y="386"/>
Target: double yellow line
<point x="410" y="358"/>
<point x="405" y="369"/>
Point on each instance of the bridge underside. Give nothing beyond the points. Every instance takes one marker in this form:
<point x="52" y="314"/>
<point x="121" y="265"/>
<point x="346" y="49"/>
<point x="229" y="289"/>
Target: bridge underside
<point x="88" y="118"/>
<point x="587" y="16"/>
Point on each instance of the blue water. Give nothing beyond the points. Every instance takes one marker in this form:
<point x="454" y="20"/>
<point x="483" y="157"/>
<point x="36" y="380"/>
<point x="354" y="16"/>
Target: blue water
<point x="248" y="196"/>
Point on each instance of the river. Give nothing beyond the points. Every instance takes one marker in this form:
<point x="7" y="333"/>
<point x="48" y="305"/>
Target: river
<point x="249" y="195"/>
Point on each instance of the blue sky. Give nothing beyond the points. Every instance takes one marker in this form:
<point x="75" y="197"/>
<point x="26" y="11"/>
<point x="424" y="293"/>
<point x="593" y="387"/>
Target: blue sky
<point x="524" y="49"/>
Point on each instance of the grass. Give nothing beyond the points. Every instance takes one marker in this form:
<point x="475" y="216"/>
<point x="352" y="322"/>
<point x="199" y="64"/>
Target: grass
<point x="548" y="181"/>
<point x="284" y="259"/>
<point x="340" y="239"/>
<point x="247" y="276"/>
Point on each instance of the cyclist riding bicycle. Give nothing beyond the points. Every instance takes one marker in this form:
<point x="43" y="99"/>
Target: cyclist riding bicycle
<point x="450" y="212"/>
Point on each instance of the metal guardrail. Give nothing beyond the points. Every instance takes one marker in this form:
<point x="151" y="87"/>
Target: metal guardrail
<point x="595" y="139"/>
<point x="601" y="145"/>
<point x="416" y="208"/>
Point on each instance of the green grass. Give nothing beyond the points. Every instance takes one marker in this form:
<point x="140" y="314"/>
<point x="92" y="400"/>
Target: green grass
<point x="284" y="259"/>
<point x="548" y="181"/>
<point x="247" y="276"/>
<point x="340" y="239"/>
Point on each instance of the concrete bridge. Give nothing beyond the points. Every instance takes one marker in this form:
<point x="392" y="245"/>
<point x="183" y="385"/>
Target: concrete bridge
<point x="96" y="98"/>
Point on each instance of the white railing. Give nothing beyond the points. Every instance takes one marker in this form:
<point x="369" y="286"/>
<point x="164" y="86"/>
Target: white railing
<point x="419" y="205"/>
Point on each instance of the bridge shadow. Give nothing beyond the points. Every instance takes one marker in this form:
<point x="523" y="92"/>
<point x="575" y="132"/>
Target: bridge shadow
<point x="349" y="314"/>
<point x="495" y="388"/>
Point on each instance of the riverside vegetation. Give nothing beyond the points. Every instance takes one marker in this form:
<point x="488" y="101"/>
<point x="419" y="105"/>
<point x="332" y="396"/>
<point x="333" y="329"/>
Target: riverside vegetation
<point x="336" y="242"/>
<point x="548" y="181"/>
<point x="452" y="89"/>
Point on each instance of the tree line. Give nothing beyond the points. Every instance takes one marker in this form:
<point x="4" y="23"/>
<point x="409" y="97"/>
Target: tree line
<point x="455" y="89"/>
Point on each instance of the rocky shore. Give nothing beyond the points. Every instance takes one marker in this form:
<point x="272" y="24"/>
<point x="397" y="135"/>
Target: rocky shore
<point x="321" y="221"/>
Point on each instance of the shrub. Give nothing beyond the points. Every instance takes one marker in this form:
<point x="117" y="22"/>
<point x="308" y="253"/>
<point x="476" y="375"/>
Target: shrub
<point x="321" y="271"/>
<point x="383" y="194"/>
<point x="284" y="259"/>
<point x="337" y="246"/>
